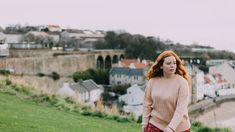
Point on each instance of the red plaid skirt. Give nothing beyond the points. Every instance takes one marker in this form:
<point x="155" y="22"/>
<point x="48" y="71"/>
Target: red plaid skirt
<point x="151" y="128"/>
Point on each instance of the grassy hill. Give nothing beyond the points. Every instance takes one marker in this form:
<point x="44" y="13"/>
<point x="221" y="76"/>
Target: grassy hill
<point x="20" y="115"/>
<point x="23" y="109"/>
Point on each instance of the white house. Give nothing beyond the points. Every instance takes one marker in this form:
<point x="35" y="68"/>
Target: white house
<point x="13" y="38"/>
<point x="133" y="99"/>
<point x="84" y="91"/>
<point x="54" y="36"/>
<point x="126" y="76"/>
<point x="197" y="77"/>
<point x="226" y="70"/>
<point x="4" y="47"/>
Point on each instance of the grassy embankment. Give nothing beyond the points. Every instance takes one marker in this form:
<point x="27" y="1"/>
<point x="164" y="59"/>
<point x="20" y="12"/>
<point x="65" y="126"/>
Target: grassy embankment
<point x="24" y="110"/>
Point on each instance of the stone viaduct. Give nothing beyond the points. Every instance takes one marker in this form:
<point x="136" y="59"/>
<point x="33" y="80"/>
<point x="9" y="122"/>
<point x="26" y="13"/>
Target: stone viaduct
<point x="32" y="62"/>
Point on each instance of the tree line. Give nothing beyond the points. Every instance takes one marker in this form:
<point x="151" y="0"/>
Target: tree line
<point x="139" y="46"/>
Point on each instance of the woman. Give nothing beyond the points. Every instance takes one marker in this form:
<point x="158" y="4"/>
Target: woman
<point x="166" y="96"/>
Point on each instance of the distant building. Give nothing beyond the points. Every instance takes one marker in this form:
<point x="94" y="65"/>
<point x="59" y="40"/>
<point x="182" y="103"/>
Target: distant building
<point x="226" y="69"/>
<point x="50" y="28"/>
<point x="126" y="76"/>
<point x="135" y="63"/>
<point x="214" y="62"/>
<point x="197" y="77"/>
<point x="12" y="38"/>
<point x="82" y="38"/>
<point x="4" y="47"/>
<point x="133" y="99"/>
<point x="54" y="36"/>
<point x="85" y="91"/>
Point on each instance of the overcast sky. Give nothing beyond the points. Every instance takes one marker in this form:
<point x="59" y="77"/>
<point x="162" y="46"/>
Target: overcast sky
<point x="207" y="22"/>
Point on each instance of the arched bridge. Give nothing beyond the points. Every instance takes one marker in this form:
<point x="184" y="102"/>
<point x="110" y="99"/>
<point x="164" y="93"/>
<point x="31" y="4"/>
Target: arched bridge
<point x="105" y="59"/>
<point x="34" y="61"/>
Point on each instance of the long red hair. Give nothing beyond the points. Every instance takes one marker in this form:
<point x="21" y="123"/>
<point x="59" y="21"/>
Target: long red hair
<point x="156" y="71"/>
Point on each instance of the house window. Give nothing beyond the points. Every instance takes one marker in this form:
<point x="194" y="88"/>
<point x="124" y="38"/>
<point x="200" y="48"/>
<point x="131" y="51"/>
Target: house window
<point x="136" y="77"/>
<point x="119" y="82"/>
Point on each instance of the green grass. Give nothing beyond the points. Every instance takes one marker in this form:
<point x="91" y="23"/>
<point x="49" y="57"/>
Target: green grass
<point x="23" y="109"/>
<point x="20" y="115"/>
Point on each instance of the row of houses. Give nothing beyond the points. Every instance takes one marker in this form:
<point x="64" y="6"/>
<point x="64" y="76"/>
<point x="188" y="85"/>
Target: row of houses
<point x="219" y="81"/>
<point x="129" y="72"/>
<point x="55" y="35"/>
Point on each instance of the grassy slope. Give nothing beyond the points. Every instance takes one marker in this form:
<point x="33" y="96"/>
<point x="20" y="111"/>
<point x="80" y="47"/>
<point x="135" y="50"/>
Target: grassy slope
<point x="26" y="116"/>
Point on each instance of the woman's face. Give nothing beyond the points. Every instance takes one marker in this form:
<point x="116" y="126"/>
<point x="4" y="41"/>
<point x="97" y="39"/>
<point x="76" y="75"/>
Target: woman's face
<point x="169" y="65"/>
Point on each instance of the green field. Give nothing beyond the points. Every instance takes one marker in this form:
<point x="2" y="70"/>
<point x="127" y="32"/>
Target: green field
<point x="24" y="110"/>
<point x="20" y="115"/>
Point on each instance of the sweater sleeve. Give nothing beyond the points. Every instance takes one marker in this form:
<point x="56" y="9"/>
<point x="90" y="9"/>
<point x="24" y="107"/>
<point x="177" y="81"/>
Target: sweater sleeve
<point x="181" y="106"/>
<point x="147" y="105"/>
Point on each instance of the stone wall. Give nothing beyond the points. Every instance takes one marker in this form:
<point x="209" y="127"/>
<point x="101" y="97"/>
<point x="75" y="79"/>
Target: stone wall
<point x="32" y="62"/>
<point x="64" y="65"/>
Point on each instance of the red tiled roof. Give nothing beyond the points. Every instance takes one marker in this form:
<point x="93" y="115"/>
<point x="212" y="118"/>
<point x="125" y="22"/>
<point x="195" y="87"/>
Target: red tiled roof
<point x="137" y="64"/>
<point x="140" y="65"/>
<point x="127" y="62"/>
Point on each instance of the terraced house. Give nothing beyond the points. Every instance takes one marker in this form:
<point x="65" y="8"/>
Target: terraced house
<point x="126" y="76"/>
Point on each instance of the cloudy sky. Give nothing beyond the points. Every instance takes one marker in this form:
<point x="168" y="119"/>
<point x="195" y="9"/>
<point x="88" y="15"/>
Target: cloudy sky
<point x="206" y="22"/>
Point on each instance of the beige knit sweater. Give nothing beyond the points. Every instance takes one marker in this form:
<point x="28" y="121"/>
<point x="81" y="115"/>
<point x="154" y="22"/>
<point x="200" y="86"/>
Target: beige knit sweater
<point x="166" y="102"/>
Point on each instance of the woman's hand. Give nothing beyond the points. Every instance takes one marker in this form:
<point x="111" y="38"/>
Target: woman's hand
<point x="168" y="129"/>
<point x="143" y="129"/>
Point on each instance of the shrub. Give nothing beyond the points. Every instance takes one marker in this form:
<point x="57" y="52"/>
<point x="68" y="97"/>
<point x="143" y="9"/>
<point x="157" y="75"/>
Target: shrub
<point x="40" y="74"/>
<point x="63" y="106"/>
<point x="120" y="89"/>
<point x="139" y="120"/>
<point x="204" y="129"/>
<point x="197" y="124"/>
<point x="123" y="119"/>
<point x="4" y="72"/>
<point x="41" y="98"/>
<point x="77" y="108"/>
<point x="9" y="91"/>
<point x="55" y="76"/>
<point x="114" y="117"/>
<point x="54" y="99"/>
<point x="86" y="113"/>
<point x="99" y="114"/>
<point x="69" y="100"/>
<point x="8" y="82"/>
